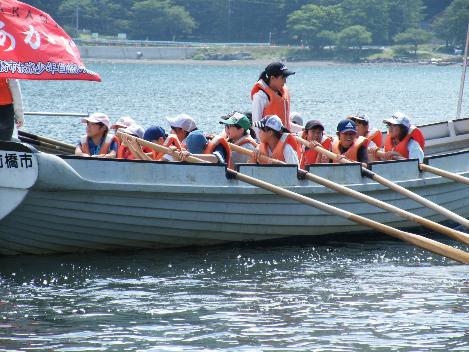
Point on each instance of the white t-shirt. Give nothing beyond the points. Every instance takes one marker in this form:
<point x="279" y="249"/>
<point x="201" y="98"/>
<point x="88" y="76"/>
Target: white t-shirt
<point x="415" y="151"/>
<point x="259" y="102"/>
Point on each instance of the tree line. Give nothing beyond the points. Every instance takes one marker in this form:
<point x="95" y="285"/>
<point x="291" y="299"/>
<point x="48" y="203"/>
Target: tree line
<point x="315" y="23"/>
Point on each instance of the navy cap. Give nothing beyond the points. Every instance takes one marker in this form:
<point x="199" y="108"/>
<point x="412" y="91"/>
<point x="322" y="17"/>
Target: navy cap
<point x="196" y="142"/>
<point x="346" y="126"/>
<point x="153" y="133"/>
<point x="278" y="69"/>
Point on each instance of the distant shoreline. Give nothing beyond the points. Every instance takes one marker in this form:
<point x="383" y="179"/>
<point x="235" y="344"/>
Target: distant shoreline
<point x="255" y="62"/>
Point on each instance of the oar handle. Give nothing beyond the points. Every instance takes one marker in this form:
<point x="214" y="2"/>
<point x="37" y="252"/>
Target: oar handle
<point x="339" y="158"/>
<point x="159" y="148"/>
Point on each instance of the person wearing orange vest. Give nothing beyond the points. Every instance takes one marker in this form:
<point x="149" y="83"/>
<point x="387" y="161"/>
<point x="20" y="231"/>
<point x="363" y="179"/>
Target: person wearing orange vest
<point x="97" y="142"/>
<point x="157" y="135"/>
<point x="276" y="141"/>
<point x="374" y="136"/>
<point x="270" y="94"/>
<point x="349" y="144"/>
<point x="403" y="140"/>
<point x="181" y="126"/>
<point x="216" y="150"/>
<point x="238" y="131"/>
<point x="314" y="132"/>
<point x="123" y="152"/>
<point x="11" y="108"/>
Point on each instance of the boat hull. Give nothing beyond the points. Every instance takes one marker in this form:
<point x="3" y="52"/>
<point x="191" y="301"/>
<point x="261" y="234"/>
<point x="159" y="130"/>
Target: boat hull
<point x="78" y="204"/>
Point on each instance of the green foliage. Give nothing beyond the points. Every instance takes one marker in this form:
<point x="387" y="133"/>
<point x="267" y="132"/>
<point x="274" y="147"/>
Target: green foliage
<point x="452" y="24"/>
<point x="354" y="37"/>
<point x="314" y="25"/>
<point x="160" y="19"/>
<point x="413" y="36"/>
<point x="311" y="22"/>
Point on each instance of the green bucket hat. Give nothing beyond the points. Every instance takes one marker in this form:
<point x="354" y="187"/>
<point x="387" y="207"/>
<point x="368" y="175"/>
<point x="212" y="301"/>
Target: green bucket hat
<point x="237" y="119"/>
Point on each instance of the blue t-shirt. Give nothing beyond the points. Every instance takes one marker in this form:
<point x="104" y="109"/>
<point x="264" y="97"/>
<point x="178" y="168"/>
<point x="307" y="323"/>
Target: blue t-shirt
<point x="94" y="149"/>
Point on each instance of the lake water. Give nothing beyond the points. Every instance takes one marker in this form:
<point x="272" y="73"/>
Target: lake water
<point x="336" y="295"/>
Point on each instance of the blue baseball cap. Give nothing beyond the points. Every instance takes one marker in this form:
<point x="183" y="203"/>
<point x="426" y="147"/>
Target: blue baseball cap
<point x="196" y="142"/>
<point x="153" y="133"/>
<point x="346" y="126"/>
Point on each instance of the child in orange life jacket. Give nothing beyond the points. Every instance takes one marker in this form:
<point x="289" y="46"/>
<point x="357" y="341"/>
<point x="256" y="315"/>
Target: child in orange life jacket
<point x="276" y="141"/>
<point x="314" y="132"/>
<point x="270" y="94"/>
<point x="239" y="132"/>
<point x="181" y="126"/>
<point x="97" y="142"/>
<point x="374" y="136"/>
<point x="157" y="135"/>
<point x="403" y="140"/>
<point x="123" y="152"/>
<point x="348" y="144"/>
<point x="214" y="151"/>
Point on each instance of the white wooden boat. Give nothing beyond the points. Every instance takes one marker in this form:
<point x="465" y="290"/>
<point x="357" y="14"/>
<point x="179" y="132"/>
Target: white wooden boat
<point x="56" y="204"/>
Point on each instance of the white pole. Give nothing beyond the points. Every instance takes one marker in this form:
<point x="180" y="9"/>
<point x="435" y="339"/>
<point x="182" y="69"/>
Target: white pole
<point x="463" y="77"/>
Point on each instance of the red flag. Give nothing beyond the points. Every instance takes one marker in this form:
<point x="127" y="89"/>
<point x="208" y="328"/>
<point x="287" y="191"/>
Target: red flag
<point x="34" y="46"/>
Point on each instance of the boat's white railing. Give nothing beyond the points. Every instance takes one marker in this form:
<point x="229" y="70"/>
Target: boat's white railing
<point x="56" y="114"/>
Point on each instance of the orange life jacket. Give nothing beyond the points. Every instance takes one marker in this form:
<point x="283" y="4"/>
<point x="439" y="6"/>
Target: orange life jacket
<point x="278" y="104"/>
<point x="245" y="140"/>
<point x="104" y="147"/>
<point x="402" y="147"/>
<point x="170" y="141"/>
<point x="352" y="152"/>
<point x="312" y="156"/>
<point x="375" y="136"/>
<point x="6" y="98"/>
<point x="212" y="144"/>
<point x="277" y="153"/>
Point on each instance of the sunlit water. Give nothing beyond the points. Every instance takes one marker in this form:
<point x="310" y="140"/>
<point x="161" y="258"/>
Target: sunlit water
<point x="348" y="295"/>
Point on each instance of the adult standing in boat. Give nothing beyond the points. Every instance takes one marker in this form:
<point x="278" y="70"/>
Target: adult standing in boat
<point x="276" y="141"/>
<point x="11" y="108"/>
<point x="348" y="144"/>
<point x="270" y="94"/>
<point x="97" y="142"/>
<point x="238" y="130"/>
<point x="314" y="132"/>
<point x="181" y="126"/>
<point x="403" y="140"/>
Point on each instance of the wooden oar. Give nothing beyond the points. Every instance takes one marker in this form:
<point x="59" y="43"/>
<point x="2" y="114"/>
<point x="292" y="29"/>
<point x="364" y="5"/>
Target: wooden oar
<point x="419" y="241"/>
<point x="48" y="147"/>
<point x="444" y="173"/>
<point x="385" y="182"/>
<point x="45" y="139"/>
<point x="457" y="235"/>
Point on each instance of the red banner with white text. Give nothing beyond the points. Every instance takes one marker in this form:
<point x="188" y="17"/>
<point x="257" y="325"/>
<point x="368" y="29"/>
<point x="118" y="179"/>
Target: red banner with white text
<point x="34" y="46"/>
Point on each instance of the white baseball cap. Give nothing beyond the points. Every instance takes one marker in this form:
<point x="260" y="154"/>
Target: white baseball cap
<point x="398" y="118"/>
<point x="360" y="117"/>
<point x="97" y="117"/>
<point x="183" y="121"/>
<point x="271" y="121"/>
<point x="124" y="121"/>
<point x="135" y="130"/>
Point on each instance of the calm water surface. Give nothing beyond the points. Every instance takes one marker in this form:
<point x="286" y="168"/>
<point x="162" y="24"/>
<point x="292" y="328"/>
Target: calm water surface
<point x="330" y="296"/>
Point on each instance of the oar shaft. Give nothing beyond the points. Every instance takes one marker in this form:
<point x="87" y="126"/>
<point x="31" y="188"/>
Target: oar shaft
<point x="49" y="146"/>
<point x="45" y="139"/>
<point x="444" y="173"/>
<point x="419" y="199"/>
<point x="385" y="182"/>
<point x="425" y="243"/>
<point x="457" y="235"/>
<point x="420" y="241"/>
